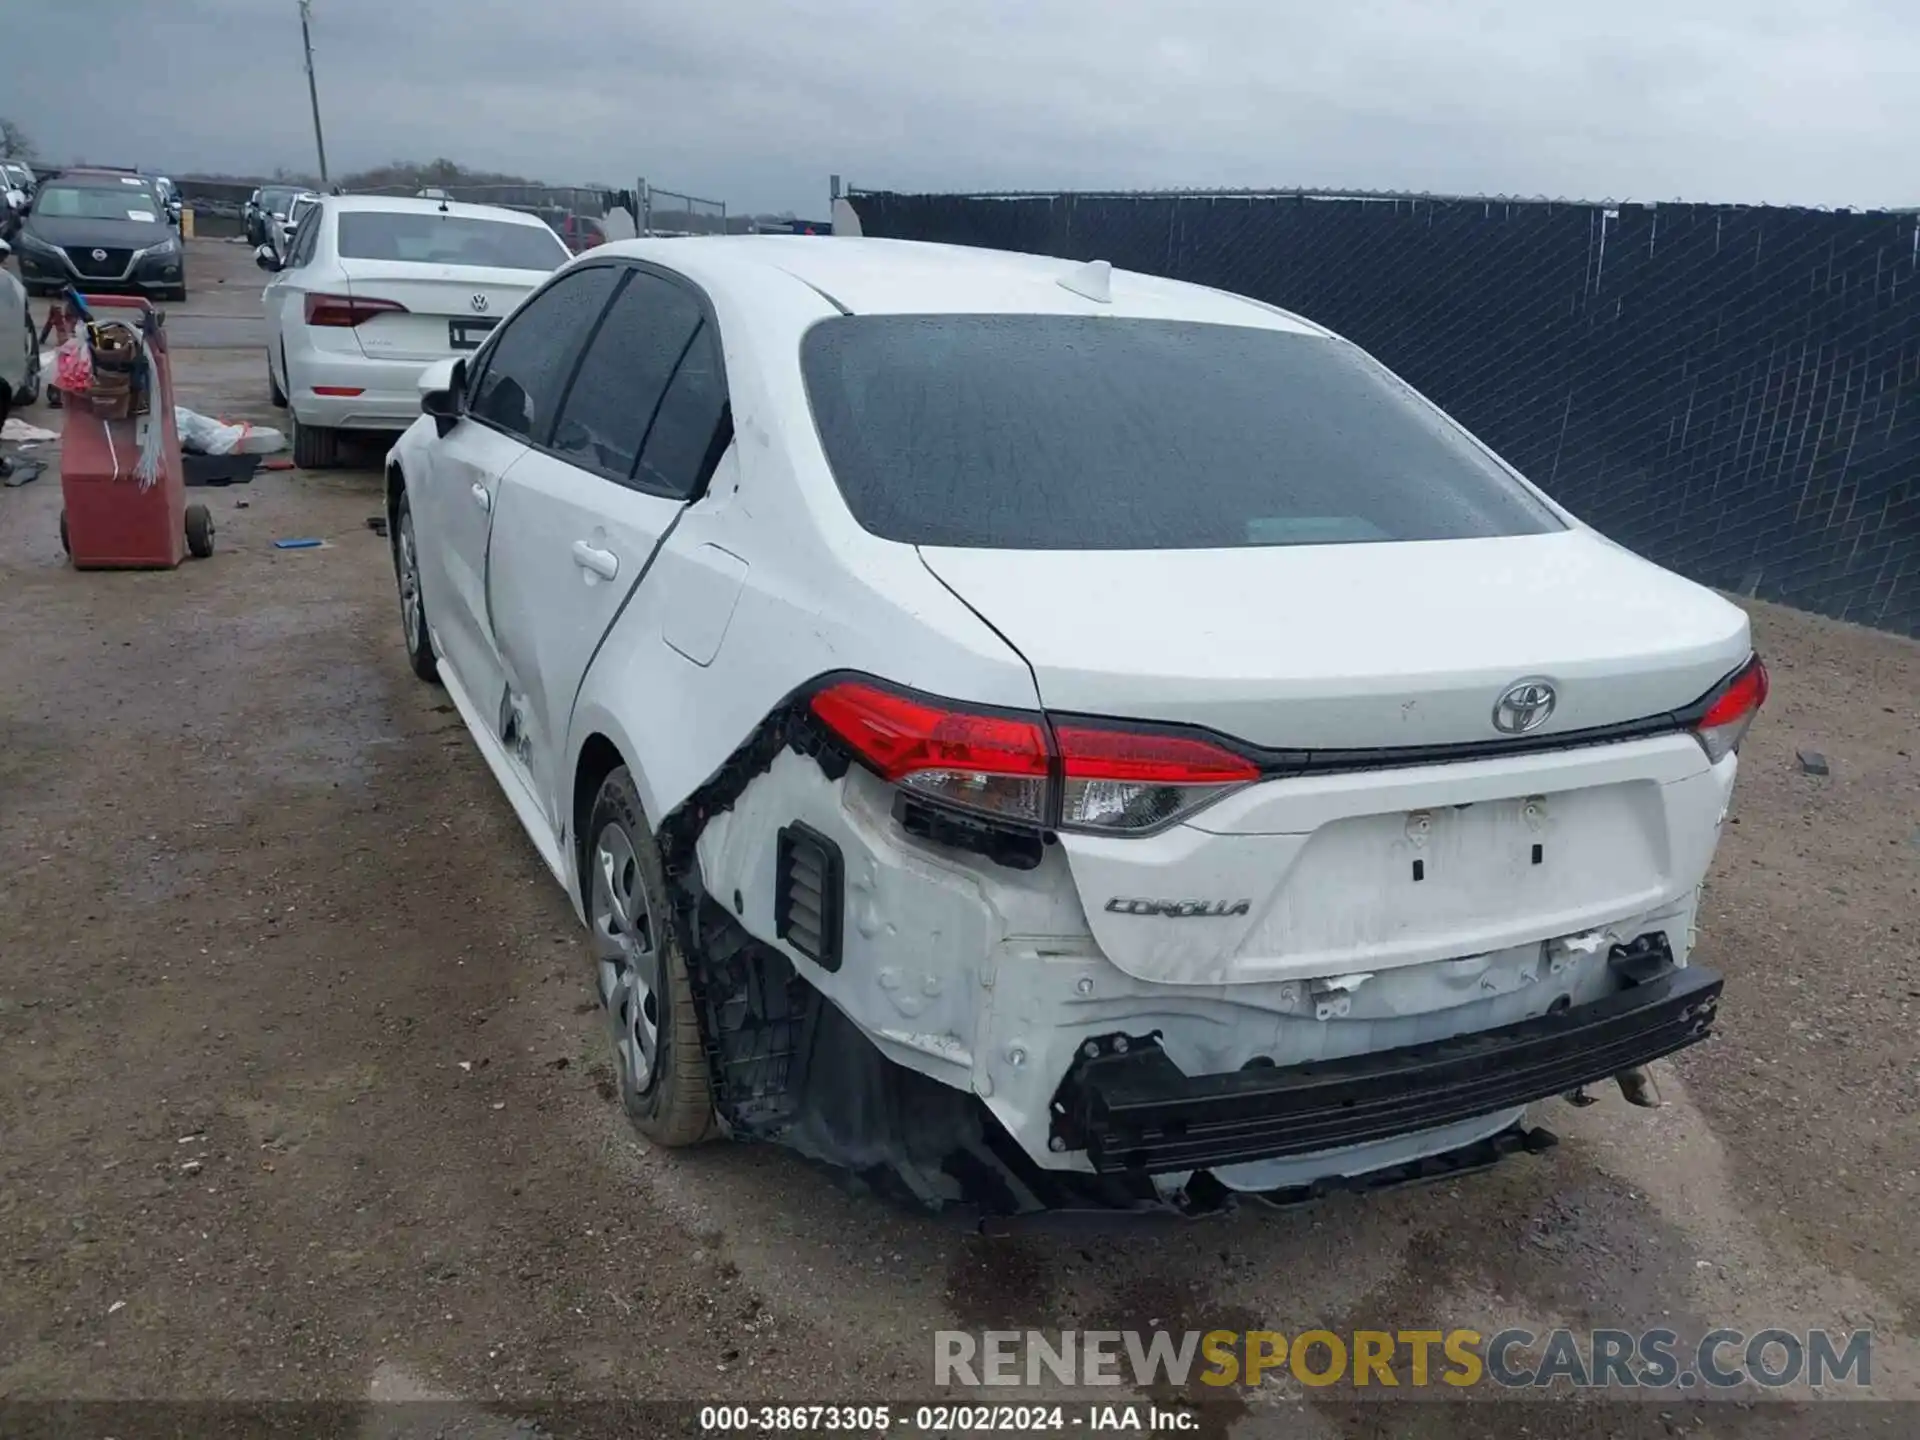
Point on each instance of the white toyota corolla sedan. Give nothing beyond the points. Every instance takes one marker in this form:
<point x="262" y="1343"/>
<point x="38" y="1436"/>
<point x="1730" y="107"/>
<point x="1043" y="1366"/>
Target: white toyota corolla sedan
<point x="370" y="289"/>
<point x="1047" y="735"/>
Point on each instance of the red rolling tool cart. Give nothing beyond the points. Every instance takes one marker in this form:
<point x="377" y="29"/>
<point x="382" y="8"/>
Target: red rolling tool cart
<point x="114" y="518"/>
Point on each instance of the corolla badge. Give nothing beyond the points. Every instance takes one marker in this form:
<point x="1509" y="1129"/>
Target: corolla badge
<point x="1523" y="706"/>
<point x="1179" y="909"/>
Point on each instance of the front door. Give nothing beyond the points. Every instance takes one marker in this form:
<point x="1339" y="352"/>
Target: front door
<point x="510" y="403"/>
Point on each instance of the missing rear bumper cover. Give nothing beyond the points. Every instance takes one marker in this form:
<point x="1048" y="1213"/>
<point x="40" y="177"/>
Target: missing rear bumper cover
<point x="1133" y="1110"/>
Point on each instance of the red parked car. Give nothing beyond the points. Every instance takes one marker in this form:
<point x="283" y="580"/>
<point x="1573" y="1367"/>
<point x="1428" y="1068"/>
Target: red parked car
<point x="579" y="232"/>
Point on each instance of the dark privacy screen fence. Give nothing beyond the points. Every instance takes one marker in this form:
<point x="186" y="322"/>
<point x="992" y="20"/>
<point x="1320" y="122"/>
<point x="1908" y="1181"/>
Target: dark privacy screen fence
<point x="1733" y="392"/>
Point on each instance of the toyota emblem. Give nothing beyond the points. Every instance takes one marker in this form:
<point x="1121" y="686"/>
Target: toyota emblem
<point x="479" y="303"/>
<point x="1523" y="706"/>
<point x="100" y="256"/>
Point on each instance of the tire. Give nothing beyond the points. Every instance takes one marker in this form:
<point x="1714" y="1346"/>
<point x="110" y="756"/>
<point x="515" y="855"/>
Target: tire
<point x="199" y="531"/>
<point x="314" y="446"/>
<point x="275" y="394"/>
<point x="176" y="296"/>
<point x="666" y="1093"/>
<point x="413" y="606"/>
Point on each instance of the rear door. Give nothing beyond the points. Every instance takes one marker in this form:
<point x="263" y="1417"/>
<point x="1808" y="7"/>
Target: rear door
<point x="455" y="276"/>
<point x="513" y="394"/>
<point x="285" y="295"/>
<point x="579" y="520"/>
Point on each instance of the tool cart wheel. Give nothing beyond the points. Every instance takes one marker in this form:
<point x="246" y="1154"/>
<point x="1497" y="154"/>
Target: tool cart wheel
<point x="65" y="548"/>
<point x="199" y="531"/>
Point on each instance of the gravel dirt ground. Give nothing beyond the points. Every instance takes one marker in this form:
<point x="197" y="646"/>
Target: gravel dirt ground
<point x="302" y="1095"/>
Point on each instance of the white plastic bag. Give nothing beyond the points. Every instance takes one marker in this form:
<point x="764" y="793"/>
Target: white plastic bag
<point x="203" y="436"/>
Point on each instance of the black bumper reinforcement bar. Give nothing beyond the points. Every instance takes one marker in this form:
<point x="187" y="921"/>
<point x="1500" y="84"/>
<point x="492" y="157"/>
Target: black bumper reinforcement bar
<point x="1133" y="1111"/>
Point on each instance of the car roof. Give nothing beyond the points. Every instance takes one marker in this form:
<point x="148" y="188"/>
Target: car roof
<point x="410" y="205"/>
<point x="876" y="277"/>
<point x="102" y="172"/>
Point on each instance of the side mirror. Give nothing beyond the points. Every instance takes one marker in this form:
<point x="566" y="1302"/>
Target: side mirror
<point x="267" y="258"/>
<point x="441" y="386"/>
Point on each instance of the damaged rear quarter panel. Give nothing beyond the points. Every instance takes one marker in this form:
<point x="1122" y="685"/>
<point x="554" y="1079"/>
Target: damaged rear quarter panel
<point x="921" y="932"/>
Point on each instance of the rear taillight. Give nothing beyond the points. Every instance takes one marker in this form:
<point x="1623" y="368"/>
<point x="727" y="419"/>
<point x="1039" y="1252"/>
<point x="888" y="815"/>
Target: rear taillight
<point x="345" y="311"/>
<point x="1014" y="766"/>
<point x="1130" y="780"/>
<point x="994" y="764"/>
<point x="1731" y="710"/>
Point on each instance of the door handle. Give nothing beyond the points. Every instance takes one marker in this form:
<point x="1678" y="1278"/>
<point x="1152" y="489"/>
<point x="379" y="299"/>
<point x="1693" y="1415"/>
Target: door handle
<point x="603" y="563"/>
<point x="481" y="497"/>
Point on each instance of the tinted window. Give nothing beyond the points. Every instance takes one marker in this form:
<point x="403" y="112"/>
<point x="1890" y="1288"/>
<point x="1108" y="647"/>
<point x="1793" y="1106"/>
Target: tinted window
<point x="527" y="367"/>
<point x="307" y="237"/>
<point x="625" y="371"/>
<point x="1031" y="432"/>
<point x="680" y="442"/>
<point x="430" y="238"/>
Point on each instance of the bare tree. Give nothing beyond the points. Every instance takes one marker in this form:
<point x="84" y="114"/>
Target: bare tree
<point x="15" y="143"/>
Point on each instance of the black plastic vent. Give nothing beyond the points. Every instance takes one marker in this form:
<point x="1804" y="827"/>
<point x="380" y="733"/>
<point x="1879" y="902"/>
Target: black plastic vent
<point x="807" y="890"/>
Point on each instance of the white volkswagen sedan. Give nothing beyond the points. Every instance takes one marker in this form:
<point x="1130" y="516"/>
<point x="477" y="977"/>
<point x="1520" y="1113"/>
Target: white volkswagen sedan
<point x="371" y="289"/>
<point x="1041" y="734"/>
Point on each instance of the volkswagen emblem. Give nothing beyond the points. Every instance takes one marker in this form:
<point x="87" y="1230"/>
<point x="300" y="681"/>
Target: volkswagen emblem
<point x="479" y="303"/>
<point x="100" y="257"/>
<point x="1523" y="706"/>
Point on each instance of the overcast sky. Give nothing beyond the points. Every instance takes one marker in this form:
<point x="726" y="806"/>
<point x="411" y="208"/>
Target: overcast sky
<point x="757" y="101"/>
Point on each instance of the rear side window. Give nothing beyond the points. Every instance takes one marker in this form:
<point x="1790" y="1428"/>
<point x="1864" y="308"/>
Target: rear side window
<point x="681" y="445"/>
<point x="307" y="237"/>
<point x="430" y="238"/>
<point x="1064" y="432"/>
<point x="624" y="374"/>
<point x="526" y="368"/>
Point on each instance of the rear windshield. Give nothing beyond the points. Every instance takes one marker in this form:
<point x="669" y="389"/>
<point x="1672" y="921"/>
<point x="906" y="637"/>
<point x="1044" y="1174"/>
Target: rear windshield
<point x="96" y="202"/>
<point x="435" y="239"/>
<point x="1065" y="432"/>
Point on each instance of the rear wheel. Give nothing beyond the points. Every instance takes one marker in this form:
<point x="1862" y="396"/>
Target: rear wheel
<point x="315" y="447"/>
<point x="641" y="974"/>
<point x="413" y="610"/>
<point x="274" y="392"/>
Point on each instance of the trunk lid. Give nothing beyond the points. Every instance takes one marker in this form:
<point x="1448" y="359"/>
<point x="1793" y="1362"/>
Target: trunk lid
<point x="1353" y="647"/>
<point x="450" y="308"/>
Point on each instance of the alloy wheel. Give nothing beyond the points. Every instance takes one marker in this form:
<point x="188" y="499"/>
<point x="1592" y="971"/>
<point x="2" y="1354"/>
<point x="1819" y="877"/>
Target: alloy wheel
<point x="627" y="956"/>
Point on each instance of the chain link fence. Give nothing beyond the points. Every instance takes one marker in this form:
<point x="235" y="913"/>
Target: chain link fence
<point x="1732" y="391"/>
<point x="583" y="216"/>
<point x="667" y="212"/>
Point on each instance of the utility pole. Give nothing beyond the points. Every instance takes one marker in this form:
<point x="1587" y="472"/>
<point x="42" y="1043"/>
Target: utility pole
<point x="313" y="89"/>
